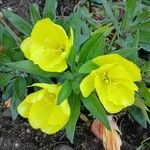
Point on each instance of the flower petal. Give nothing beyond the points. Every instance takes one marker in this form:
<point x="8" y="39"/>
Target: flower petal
<point x="25" y="47"/>
<point x="59" y="67"/>
<point x="51" y="88"/>
<point x="49" y="33"/>
<point x="104" y="96"/>
<point x="23" y="108"/>
<point x="129" y="66"/>
<point x="87" y="85"/>
<point x="46" y="58"/>
<point x="35" y="97"/>
<point x="39" y="113"/>
<point x="107" y="59"/>
<point x="58" y="117"/>
<point x="120" y="95"/>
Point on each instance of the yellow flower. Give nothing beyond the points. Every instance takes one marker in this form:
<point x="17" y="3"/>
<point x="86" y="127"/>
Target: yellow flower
<point x="48" y="46"/>
<point x="42" y="111"/>
<point x="113" y="81"/>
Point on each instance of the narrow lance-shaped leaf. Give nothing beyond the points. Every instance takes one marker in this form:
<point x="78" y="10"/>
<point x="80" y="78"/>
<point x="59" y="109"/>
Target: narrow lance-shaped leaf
<point x="5" y="78"/>
<point x="111" y="15"/>
<point x="19" y="23"/>
<point x="35" y="13"/>
<point x="28" y="67"/>
<point x="88" y="67"/>
<point x="7" y="41"/>
<point x="138" y="115"/>
<point x="135" y="43"/>
<point x="19" y="90"/>
<point x="144" y="36"/>
<point x="90" y="46"/>
<point x="75" y="105"/>
<point x="140" y="103"/>
<point x="96" y="109"/>
<point x="76" y="85"/>
<point x="130" y="8"/>
<point x="50" y="9"/>
<point x="71" y="59"/>
<point x="64" y="92"/>
<point x="143" y="25"/>
<point x="145" y="93"/>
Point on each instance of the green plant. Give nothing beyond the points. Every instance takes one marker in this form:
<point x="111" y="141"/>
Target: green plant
<point x="125" y="30"/>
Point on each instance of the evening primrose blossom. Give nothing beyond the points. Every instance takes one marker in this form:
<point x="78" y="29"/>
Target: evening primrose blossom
<point x="113" y="82"/>
<point x="42" y="110"/>
<point x="48" y="46"/>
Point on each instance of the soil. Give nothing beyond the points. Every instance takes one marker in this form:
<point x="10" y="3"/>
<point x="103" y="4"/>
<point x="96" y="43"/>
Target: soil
<point x="18" y="135"/>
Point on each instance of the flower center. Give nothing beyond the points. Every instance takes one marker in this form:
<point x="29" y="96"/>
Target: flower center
<point x="106" y="78"/>
<point x="48" y="44"/>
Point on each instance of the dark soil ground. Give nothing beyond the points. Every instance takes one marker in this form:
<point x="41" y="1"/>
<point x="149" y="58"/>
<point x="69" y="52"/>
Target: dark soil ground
<point x="18" y="135"/>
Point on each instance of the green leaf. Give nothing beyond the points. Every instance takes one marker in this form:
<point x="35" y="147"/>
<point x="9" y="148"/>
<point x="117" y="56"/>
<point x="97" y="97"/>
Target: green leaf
<point x="135" y="43"/>
<point x="13" y="108"/>
<point x="142" y="16"/>
<point x="19" y="90"/>
<point x="130" y="8"/>
<point x="145" y="93"/>
<point x="6" y="28"/>
<point x="146" y="2"/>
<point x="42" y="79"/>
<point x="7" y="93"/>
<point x="20" y="24"/>
<point x="7" y="41"/>
<point x="110" y="14"/>
<point x="126" y="52"/>
<point x="28" y="67"/>
<point x="64" y="92"/>
<point x="105" y="30"/>
<point x="50" y="9"/>
<point x="35" y="13"/>
<point x="137" y="114"/>
<point x="96" y="109"/>
<point x="142" y="26"/>
<point x="139" y="103"/>
<point x="75" y="105"/>
<point x="93" y="47"/>
<point x="145" y="46"/>
<point x="97" y="49"/>
<point x="71" y="58"/>
<point x="144" y="36"/>
<point x="4" y="58"/>
<point x="97" y="1"/>
<point x="20" y="86"/>
<point x="76" y="85"/>
<point x="77" y="22"/>
<point x="5" y="78"/>
<point x="88" y="67"/>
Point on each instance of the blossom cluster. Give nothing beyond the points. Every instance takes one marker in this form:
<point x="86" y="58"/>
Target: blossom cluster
<point x="49" y="47"/>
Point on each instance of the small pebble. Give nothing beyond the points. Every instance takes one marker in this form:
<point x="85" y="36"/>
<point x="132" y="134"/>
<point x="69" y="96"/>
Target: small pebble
<point x="28" y="131"/>
<point x="36" y="138"/>
<point x="16" y="144"/>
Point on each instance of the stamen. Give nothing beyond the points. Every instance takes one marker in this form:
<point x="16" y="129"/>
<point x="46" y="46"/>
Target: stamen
<point x="106" y="78"/>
